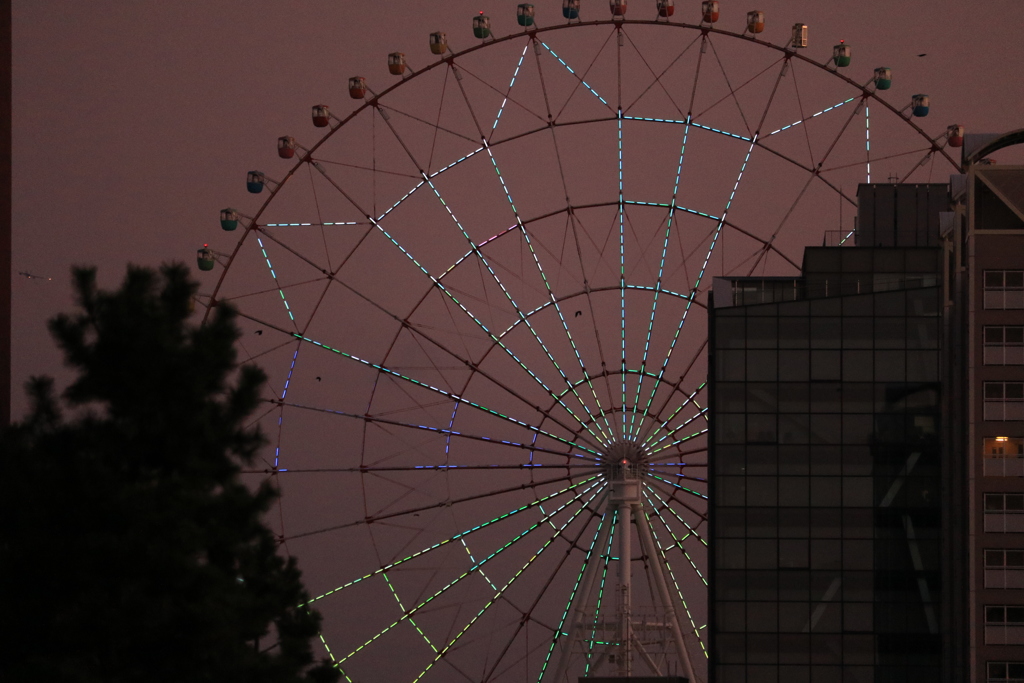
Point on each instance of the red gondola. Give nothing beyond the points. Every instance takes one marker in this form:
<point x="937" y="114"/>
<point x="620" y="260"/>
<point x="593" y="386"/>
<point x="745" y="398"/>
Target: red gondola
<point x="321" y="115"/>
<point x="357" y="87"/>
<point x="709" y="10"/>
<point x="286" y="147"/>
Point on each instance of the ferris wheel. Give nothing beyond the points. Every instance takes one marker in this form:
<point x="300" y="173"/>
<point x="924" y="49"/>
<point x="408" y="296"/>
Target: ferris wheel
<point x="480" y="295"/>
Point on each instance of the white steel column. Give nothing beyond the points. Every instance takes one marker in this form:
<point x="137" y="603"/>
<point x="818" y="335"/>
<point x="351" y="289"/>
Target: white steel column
<point x="658" y="570"/>
<point x="625" y="630"/>
<point x="579" y="612"/>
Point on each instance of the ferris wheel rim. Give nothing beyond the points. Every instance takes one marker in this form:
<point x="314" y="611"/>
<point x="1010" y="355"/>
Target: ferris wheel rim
<point x="531" y="33"/>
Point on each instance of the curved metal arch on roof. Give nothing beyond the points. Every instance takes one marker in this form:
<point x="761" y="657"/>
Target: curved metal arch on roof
<point x="1015" y="137"/>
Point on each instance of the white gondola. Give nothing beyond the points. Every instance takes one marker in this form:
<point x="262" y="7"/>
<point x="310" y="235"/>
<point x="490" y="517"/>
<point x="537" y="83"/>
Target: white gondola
<point x="799" y="38"/>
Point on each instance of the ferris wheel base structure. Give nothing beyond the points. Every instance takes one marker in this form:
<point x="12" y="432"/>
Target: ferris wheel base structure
<point x="635" y="679"/>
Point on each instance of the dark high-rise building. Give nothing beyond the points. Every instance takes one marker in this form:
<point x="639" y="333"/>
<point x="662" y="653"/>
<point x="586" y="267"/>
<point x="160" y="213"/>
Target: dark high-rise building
<point x="867" y="446"/>
<point x="826" y="513"/>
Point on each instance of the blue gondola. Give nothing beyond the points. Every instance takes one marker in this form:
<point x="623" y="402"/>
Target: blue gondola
<point x="254" y="181"/>
<point x="920" y="104"/>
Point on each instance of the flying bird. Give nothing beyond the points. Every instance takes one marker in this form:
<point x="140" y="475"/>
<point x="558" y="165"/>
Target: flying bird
<point x="923" y="54"/>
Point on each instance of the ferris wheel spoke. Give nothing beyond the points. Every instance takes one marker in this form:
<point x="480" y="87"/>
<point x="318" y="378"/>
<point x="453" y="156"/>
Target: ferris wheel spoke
<point x="800" y="106"/>
<point x="457" y="537"/>
<point x="483" y="259"/>
<point x="928" y="155"/>
<point x="543" y="590"/>
<point x="273" y="274"/>
<point x="419" y="333"/>
<point x="442" y="392"/>
<point x="369" y="469"/>
<point x="559" y="631"/>
<point x="671" y="495"/>
<point x="360" y="167"/>
<point x="320" y="217"/>
<point x="553" y="301"/>
<point x="544" y="279"/>
<point x="606" y="555"/>
<point x="702" y="413"/>
<point x="475" y="569"/>
<point x="678" y="410"/>
<point x="808" y="118"/>
<point x="661" y="273"/>
<point x="273" y="238"/>
<point x="747" y="82"/>
<point x="677" y="543"/>
<point x="674" y="388"/>
<point x="511" y="85"/>
<point x="831" y="148"/>
<point x="877" y="159"/>
<point x="722" y="220"/>
<point x="377" y="420"/>
<point x="847" y="198"/>
<point x="372" y="519"/>
<point x="437" y="283"/>
<point x="867" y="139"/>
<point x="657" y="77"/>
<point x="659" y="504"/>
<point x="499" y="593"/>
<point x="785" y="217"/>
<point x="581" y="80"/>
<point x="433" y="125"/>
<point x="696" y="629"/>
<point x="728" y="84"/>
<point x="677" y="475"/>
<point x="506" y="95"/>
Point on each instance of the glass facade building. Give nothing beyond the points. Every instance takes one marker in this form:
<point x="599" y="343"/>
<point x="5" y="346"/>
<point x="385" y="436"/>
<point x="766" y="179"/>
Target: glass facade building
<point x="827" y="499"/>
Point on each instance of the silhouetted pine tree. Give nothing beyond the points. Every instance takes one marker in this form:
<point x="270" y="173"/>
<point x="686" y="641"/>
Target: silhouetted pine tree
<point x="130" y="550"/>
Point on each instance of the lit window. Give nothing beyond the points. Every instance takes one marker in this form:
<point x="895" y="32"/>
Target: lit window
<point x="1003" y="456"/>
<point x="1004" y="401"/>
<point x="1004" y="289"/>
<point x="1005" y="672"/>
<point x="1004" y="345"/>
<point x="1004" y="447"/>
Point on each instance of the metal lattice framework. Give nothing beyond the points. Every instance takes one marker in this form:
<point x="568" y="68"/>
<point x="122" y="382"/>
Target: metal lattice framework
<point x="481" y="300"/>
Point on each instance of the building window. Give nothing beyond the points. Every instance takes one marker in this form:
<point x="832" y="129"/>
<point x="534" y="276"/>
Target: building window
<point x="1004" y="512"/>
<point x="1006" y="672"/>
<point x="1004" y="401"/>
<point x="1004" y="568"/>
<point x="1004" y="289"/>
<point x="1004" y="625"/>
<point x="1004" y="345"/>
<point x="1003" y="456"/>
